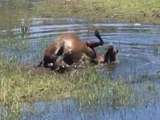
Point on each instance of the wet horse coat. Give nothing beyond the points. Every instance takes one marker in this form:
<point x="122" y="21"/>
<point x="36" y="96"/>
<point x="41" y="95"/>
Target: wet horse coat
<point x="70" y="49"/>
<point x="70" y="46"/>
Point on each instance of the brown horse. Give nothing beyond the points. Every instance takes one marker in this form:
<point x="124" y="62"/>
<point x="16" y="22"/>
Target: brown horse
<point x="71" y="48"/>
<point x="68" y="49"/>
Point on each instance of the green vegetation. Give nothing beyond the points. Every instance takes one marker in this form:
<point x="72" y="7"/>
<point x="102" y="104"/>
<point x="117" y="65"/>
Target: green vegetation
<point x="20" y="85"/>
<point x="108" y="10"/>
<point x="144" y="11"/>
<point x="12" y="11"/>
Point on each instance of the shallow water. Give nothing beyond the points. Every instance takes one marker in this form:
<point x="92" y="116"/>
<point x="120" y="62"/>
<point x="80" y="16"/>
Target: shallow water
<point x="139" y="54"/>
<point x="68" y="110"/>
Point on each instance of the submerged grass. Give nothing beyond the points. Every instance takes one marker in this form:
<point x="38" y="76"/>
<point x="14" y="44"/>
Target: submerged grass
<point x="19" y="86"/>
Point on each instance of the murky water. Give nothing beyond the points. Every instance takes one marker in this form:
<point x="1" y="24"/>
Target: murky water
<point x="139" y="60"/>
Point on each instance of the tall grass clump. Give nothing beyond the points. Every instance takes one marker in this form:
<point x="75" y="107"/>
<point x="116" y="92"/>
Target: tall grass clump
<point x="94" y="89"/>
<point x="20" y="85"/>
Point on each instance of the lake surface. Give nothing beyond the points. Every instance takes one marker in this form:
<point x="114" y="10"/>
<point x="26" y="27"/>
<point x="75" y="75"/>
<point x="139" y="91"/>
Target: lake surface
<point x="139" y="62"/>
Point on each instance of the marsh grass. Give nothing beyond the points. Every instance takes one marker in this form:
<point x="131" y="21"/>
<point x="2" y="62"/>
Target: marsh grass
<point x="20" y="85"/>
<point x="110" y="10"/>
<point x="145" y="11"/>
<point x="12" y="12"/>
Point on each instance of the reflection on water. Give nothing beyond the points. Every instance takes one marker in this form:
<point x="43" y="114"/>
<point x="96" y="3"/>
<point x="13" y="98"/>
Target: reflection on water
<point x="139" y="54"/>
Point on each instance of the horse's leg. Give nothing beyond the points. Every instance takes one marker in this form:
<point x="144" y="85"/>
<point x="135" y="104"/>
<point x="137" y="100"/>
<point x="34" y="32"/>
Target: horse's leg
<point x="50" y="60"/>
<point x="40" y="64"/>
<point x="97" y="34"/>
<point x="59" y="51"/>
<point x="68" y="58"/>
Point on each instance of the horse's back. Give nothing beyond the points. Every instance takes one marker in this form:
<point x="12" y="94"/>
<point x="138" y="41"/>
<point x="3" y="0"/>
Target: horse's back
<point x="71" y="42"/>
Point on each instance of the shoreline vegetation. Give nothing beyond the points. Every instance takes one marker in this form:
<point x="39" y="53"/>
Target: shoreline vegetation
<point x="143" y="11"/>
<point x="130" y="11"/>
<point x="21" y="85"/>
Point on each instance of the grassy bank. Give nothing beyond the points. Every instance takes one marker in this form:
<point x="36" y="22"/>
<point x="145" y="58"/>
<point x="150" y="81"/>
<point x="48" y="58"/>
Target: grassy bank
<point x="144" y="11"/>
<point x="12" y="11"/>
<point x="19" y="85"/>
